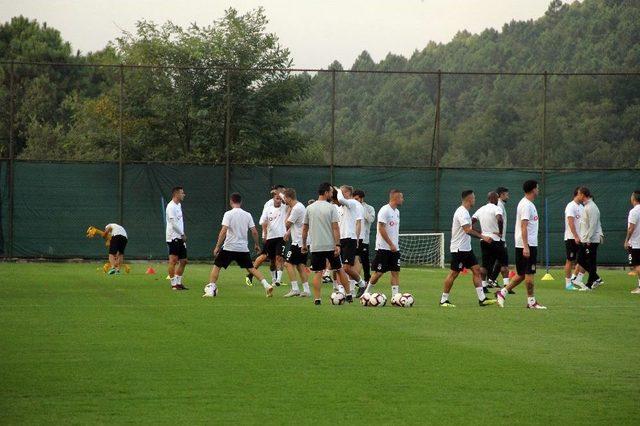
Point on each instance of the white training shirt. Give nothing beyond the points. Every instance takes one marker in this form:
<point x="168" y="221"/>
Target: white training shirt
<point x="351" y="212"/>
<point x="503" y="207"/>
<point x="526" y="211"/>
<point x="391" y="219"/>
<point x="116" y="229"/>
<point x="369" y="217"/>
<point x="276" y="217"/>
<point x="263" y="216"/>
<point x="575" y="211"/>
<point x="487" y="215"/>
<point x="238" y="223"/>
<point x="296" y="218"/>
<point x="634" y="217"/>
<point x="460" y="240"/>
<point x="175" y="222"/>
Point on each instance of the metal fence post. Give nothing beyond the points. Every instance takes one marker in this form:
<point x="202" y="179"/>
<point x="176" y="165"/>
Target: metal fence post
<point x="543" y="177"/>
<point x="227" y="141"/>
<point x="12" y="154"/>
<point x="120" y="149"/>
<point x="436" y="142"/>
<point x="333" y="125"/>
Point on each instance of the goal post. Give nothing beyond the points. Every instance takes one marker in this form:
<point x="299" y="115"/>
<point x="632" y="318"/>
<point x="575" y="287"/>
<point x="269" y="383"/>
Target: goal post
<point x="422" y="249"/>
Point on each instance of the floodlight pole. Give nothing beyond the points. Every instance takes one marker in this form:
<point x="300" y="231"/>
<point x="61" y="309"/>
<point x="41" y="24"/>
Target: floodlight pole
<point x="11" y="174"/>
<point x="333" y="125"/>
<point x="227" y="141"/>
<point x="436" y="143"/>
<point x="120" y="150"/>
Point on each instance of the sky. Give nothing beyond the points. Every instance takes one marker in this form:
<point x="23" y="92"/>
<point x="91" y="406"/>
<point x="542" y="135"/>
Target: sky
<point x="316" y="31"/>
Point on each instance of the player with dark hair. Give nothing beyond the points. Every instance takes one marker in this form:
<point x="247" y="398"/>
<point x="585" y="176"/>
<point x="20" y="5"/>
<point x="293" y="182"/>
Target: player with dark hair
<point x="526" y="239"/>
<point x="176" y="238"/>
<point x="369" y="216"/>
<point x="590" y="236"/>
<point x="461" y="252"/>
<point x="632" y="239"/>
<point x="572" y="214"/>
<point x="236" y="223"/>
<point x="351" y="217"/>
<point x="491" y="223"/>
<point x="502" y="263"/>
<point x="295" y="259"/>
<point x="321" y="223"/>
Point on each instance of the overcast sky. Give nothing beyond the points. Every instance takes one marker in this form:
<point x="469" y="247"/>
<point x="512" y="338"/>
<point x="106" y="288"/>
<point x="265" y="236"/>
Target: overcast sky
<point x="316" y="31"/>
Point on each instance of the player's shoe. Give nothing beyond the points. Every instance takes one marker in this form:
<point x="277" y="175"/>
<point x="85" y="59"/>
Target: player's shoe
<point x="635" y="290"/>
<point x="597" y="283"/>
<point x="317" y="302"/>
<point x="292" y="293"/>
<point x="210" y="290"/>
<point x="304" y="294"/>
<point x="112" y="271"/>
<point x="487" y="302"/>
<point x="535" y="306"/>
<point x="485" y="290"/>
<point x="361" y="291"/>
<point x="248" y="280"/>
<point x="500" y="299"/>
<point x="178" y="287"/>
<point x="269" y="290"/>
<point x="277" y="283"/>
<point x="447" y="304"/>
<point x="570" y="287"/>
<point x="349" y="298"/>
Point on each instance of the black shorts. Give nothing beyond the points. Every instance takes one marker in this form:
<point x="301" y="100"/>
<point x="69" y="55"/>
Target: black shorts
<point x="117" y="244"/>
<point x="319" y="261"/>
<point x="363" y="250"/>
<point x="504" y="257"/>
<point x="571" y="249"/>
<point x="348" y="250"/>
<point x="224" y="259"/>
<point x="491" y="253"/>
<point x="386" y="260"/>
<point x="274" y="247"/>
<point x="295" y="256"/>
<point x="524" y="265"/>
<point x="634" y="257"/>
<point x="177" y="247"/>
<point x="463" y="259"/>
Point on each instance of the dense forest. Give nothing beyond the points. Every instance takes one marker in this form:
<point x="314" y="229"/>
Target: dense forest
<point x="168" y="113"/>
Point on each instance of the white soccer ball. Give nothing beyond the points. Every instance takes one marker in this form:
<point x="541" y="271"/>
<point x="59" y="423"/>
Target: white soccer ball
<point x="210" y="290"/>
<point x="364" y="299"/>
<point x="406" y="300"/>
<point x="377" y="300"/>
<point x="337" y="298"/>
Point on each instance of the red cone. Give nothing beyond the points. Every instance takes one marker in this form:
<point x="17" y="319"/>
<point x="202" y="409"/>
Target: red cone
<point x="512" y="274"/>
<point x="465" y="271"/>
<point x="150" y="271"/>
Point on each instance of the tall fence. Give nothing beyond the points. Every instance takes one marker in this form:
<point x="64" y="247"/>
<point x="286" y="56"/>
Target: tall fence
<point x="90" y="144"/>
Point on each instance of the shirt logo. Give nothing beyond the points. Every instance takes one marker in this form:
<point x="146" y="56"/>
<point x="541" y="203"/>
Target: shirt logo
<point x="391" y="223"/>
<point x="535" y="218"/>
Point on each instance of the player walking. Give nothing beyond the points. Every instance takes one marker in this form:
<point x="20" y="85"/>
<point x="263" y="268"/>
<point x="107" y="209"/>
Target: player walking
<point x="295" y="259"/>
<point x="176" y="238"/>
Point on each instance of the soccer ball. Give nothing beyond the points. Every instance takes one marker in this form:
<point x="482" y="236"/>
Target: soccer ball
<point x="210" y="290"/>
<point x="337" y="298"/>
<point x="364" y="299"/>
<point x="377" y="300"/>
<point x="402" y="300"/>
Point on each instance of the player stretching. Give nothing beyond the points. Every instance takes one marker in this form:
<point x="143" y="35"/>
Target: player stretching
<point x="526" y="238"/>
<point x="273" y="230"/>
<point x="176" y="239"/>
<point x="502" y="265"/>
<point x="117" y="244"/>
<point x="350" y="235"/>
<point x="321" y="223"/>
<point x="387" y="257"/>
<point x="236" y="223"/>
<point x="461" y="253"/>
<point x="295" y="258"/>
<point x="632" y="240"/>
<point x="491" y="222"/>
<point x="369" y="217"/>
<point x="572" y="214"/>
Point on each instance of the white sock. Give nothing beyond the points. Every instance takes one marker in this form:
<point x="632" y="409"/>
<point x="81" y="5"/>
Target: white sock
<point x="305" y="287"/>
<point x="279" y="276"/>
<point x="336" y="285"/>
<point x="326" y="273"/>
<point x="444" y="297"/>
<point x="531" y="300"/>
<point x="362" y="284"/>
<point x="369" y="288"/>
<point x="394" y="290"/>
<point x="573" y="277"/>
<point x="273" y="276"/>
<point x="484" y="283"/>
<point x="579" y="277"/>
<point x="173" y="280"/>
<point x="505" y="282"/>
<point x="294" y="286"/>
<point x="178" y="279"/>
<point x="567" y="281"/>
<point x="265" y="283"/>
<point x="638" y="282"/>
<point x="353" y="291"/>
<point x="504" y="292"/>
<point x="341" y="289"/>
<point x="480" y="293"/>
<point x="352" y="284"/>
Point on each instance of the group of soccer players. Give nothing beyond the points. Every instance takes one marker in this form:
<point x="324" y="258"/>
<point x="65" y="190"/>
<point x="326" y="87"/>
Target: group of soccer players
<point x="335" y="228"/>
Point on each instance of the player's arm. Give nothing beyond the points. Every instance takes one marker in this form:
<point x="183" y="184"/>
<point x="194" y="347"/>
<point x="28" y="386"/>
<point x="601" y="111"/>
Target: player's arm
<point x="572" y="227"/>
<point x="500" y="225"/>
<point x="256" y="240"/>
<point x="172" y="218"/>
<point x="107" y="232"/>
<point x="221" y="237"/>
<point x="336" y="238"/>
<point x="358" y="230"/>
<point x="348" y="203"/>
<point x="468" y="229"/>
<point x="305" y="233"/>
<point x="382" y="229"/>
<point x="591" y="226"/>
<point x="630" y="228"/>
<point x="525" y="237"/>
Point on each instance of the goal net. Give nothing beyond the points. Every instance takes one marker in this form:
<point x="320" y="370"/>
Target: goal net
<point x="422" y="249"/>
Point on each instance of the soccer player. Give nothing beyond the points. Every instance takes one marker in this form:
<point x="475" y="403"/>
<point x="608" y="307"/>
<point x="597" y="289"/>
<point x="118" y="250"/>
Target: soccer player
<point x="572" y="215"/>
<point x="491" y="223"/>
<point x="117" y="244"/>
<point x="461" y="252"/>
<point x="369" y="216"/>
<point x="350" y="225"/>
<point x="176" y="238"/>
<point x="590" y="235"/>
<point x="273" y="231"/>
<point x="502" y="265"/>
<point x="295" y="258"/>
<point x="321" y="223"/>
<point x="526" y="239"/>
<point x="387" y="258"/>
<point x="632" y="239"/>
<point x="236" y="223"/>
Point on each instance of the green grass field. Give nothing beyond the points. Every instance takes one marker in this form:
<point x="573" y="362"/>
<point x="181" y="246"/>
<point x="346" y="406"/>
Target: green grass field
<point x="77" y="346"/>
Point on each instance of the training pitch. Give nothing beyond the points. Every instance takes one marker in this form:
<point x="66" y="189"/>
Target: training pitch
<point x="78" y="346"/>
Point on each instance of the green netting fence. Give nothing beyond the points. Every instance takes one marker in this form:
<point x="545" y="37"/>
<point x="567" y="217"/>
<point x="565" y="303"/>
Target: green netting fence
<point x="54" y="202"/>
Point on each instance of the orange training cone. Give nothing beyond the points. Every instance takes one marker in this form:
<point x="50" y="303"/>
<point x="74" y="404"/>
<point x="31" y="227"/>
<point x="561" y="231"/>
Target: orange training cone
<point x="150" y="271"/>
<point x="465" y="271"/>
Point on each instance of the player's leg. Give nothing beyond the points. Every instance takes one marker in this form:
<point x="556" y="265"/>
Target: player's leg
<point x="477" y="283"/>
<point x="256" y="273"/>
<point x="531" y="298"/>
<point x="635" y="266"/>
<point x="173" y="262"/>
<point x="182" y="264"/>
<point x="303" y="271"/>
<point x="317" y="289"/>
<point x="348" y="254"/>
<point x="446" y="288"/>
<point x="380" y="266"/>
<point x="318" y="266"/>
<point x="344" y="278"/>
<point x="594" y="280"/>
<point x="364" y="259"/>
<point x="291" y="272"/>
